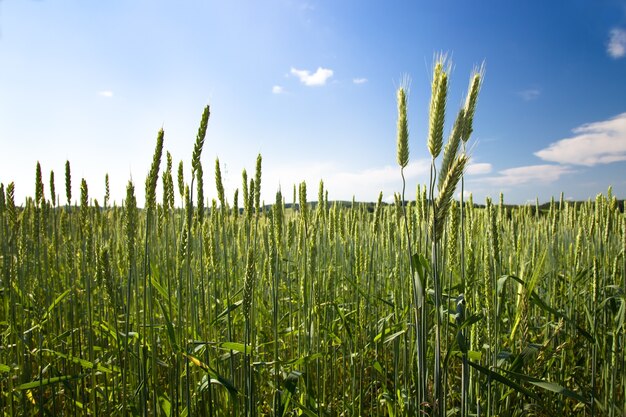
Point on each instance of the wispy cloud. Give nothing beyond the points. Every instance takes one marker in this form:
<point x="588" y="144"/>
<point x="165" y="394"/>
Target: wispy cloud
<point x="359" y="80"/>
<point x="617" y="43"/>
<point x="478" y="169"/>
<point x="319" y="77"/>
<point x="384" y="175"/>
<point x="106" y="93"/>
<point x="277" y="89"/>
<point x="364" y="184"/>
<point x="543" y="174"/>
<point x="529" y="94"/>
<point x="592" y="144"/>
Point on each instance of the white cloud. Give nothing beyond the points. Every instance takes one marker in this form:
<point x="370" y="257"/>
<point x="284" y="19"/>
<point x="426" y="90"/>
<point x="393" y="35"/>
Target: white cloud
<point x="342" y="184"/>
<point x="277" y="89"/>
<point x="529" y="94"/>
<point x="359" y="80"/>
<point x="592" y="144"/>
<point x="526" y="174"/>
<point x="384" y="175"/>
<point x="617" y="43"/>
<point x="319" y="77"/>
<point x="106" y="93"/>
<point x="478" y="169"/>
<point x="466" y="194"/>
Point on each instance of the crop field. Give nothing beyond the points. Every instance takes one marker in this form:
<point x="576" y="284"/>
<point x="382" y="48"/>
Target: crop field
<point x="429" y="306"/>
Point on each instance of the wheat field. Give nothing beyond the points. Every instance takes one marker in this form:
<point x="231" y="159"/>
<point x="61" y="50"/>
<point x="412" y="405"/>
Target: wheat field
<point x="429" y="306"/>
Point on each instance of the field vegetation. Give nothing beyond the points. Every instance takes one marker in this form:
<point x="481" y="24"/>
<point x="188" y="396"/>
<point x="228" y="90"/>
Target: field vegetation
<point x="231" y="307"/>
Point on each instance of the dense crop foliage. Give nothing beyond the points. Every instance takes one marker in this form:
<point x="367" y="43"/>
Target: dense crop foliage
<point x="307" y="309"/>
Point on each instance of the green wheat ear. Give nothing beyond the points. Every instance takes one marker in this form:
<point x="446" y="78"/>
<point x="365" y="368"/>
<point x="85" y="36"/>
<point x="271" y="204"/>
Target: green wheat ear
<point x="244" y="190"/>
<point x="84" y="202"/>
<point x="2" y="201"/>
<point x="181" y="181"/>
<point x="200" y="193"/>
<point x="153" y="176"/>
<point x="10" y="203"/>
<point x="168" y="194"/>
<point x="39" y="196"/>
<point x="248" y="285"/>
<point x="452" y="146"/>
<point x="403" y="130"/>
<point x="219" y="185"/>
<point x="197" y="149"/>
<point x="438" y="106"/>
<point x="257" y="183"/>
<point x="107" y="193"/>
<point x="52" y="189"/>
<point x="68" y="183"/>
<point x="131" y="219"/>
<point x="444" y="199"/>
<point x="470" y="102"/>
<point x="250" y="202"/>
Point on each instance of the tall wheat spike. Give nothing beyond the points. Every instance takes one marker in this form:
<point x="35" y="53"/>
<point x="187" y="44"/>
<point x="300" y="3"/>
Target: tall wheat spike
<point x="219" y="184"/>
<point x="68" y="183"/>
<point x="153" y="175"/>
<point x="402" y="142"/>
<point x="442" y="203"/>
<point x="181" y="182"/>
<point x="53" y="195"/>
<point x="470" y="101"/>
<point x="437" y="106"/>
<point x="39" y="194"/>
<point x="452" y="147"/>
<point x="197" y="149"/>
<point x="257" y="183"/>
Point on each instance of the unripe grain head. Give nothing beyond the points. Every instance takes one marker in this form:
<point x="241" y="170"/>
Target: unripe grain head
<point x="68" y="183"/>
<point x="39" y="195"/>
<point x="471" y="99"/>
<point x="53" y="193"/>
<point x="257" y="184"/>
<point x="248" y="285"/>
<point x="438" y="106"/>
<point x="197" y="149"/>
<point x="219" y="184"/>
<point x="444" y="199"/>
<point x="402" y="143"/>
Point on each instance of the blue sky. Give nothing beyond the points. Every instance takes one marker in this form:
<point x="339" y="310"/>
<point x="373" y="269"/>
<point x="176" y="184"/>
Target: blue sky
<point x="311" y="86"/>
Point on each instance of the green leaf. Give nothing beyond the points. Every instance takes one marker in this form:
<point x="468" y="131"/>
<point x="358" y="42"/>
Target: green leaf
<point x="215" y="377"/>
<point x="303" y="359"/>
<point x="474" y="318"/>
<point x="504" y="380"/>
<point x="421" y="268"/>
<point x="291" y="382"/>
<point x="79" y="361"/>
<point x="554" y="387"/>
<point x="227" y="310"/>
<point x="386" y="337"/>
<point x="307" y="412"/>
<point x="543" y="305"/>
<point x="538" y="301"/>
<point x="166" y="405"/>
<point x="234" y="346"/>
<point x="378" y="367"/>
<point x="171" y="335"/>
<point x="391" y="337"/>
<point x="47" y="381"/>
<point x="56" y="302"/>
<point x="162" y="292"/>
<point x="4" y="368"/>
<point x="549" y="386"/>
